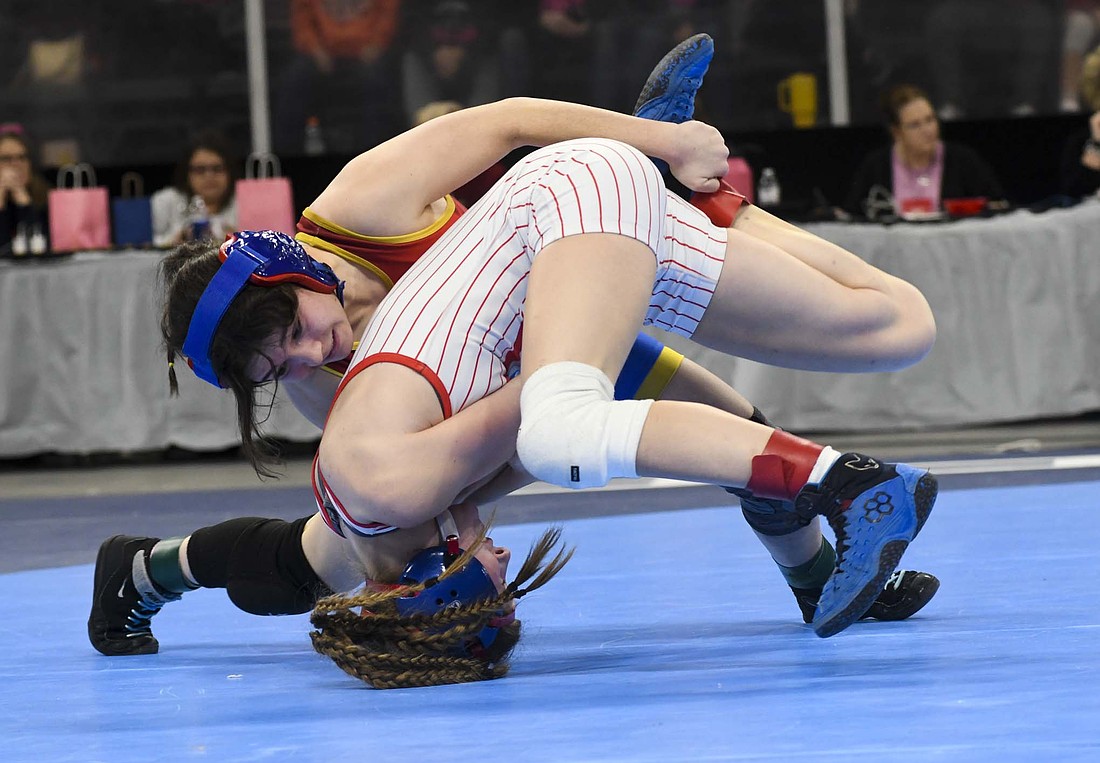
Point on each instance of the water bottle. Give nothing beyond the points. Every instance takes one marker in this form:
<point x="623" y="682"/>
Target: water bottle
<point x="315" y="141"/>
<point x="198" y="219"/>
<point x="37" y="240"/>
<point x="768" y="193"/>
<point x="19" y="242"/>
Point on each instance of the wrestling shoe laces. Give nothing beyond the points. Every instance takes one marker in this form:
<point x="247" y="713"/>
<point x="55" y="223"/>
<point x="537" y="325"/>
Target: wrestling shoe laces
<point x="125" y="598"/>
<point x="875" y="510"/>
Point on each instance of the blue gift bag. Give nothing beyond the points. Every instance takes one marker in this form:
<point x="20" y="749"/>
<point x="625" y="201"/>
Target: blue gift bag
<point x="132" y="213"/>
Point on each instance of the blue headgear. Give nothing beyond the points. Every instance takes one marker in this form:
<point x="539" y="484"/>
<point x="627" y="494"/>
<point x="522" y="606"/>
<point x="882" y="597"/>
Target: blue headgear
<point x="470" y="584"/>
<point x="265" y="258"/>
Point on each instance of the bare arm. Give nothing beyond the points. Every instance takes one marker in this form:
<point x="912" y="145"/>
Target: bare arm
<point x="388" y="456"/>
<point x="390" y="188"/>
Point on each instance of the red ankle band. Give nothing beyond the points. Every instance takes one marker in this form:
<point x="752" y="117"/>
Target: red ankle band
<point x="784" y="466"/>
<point x="720" y="206"/>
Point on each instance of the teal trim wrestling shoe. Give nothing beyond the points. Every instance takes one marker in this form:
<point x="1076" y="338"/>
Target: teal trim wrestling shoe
<point x="904" y="595"/>
<point x="669" y="93"/>
<point x="876" y="510"/>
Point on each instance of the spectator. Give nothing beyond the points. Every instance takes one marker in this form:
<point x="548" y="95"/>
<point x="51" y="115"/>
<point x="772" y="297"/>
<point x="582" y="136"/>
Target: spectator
<point x="1080" y="172"/>
<point x="918" y="170"/>
<point x="1082" y="27"/>
<point x="449" y="61"/>
<point x="23" y="193"/>
<point x="208" y="170"/>
<point x="1019" y="32"/>
<point x="344" y="58"/>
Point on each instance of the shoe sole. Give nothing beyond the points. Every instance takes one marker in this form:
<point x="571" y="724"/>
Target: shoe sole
<point x="97" y="621"/>
<point x="889" y="557"/>
<point x="676" y="63"/>
<point x="911" y="603"/>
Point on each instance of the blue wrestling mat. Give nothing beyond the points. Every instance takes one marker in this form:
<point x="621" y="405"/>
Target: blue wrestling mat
<point x="669" y="637"/>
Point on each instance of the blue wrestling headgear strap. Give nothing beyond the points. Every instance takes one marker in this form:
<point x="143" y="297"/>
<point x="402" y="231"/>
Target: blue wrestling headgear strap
<point x="466" y="586"/>
<point x="264" y="258"/>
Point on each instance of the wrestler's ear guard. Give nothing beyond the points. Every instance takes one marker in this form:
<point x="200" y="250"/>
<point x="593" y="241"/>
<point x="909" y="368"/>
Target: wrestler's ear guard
<point x="263" y="258"/>
<point x="466" y="586"/>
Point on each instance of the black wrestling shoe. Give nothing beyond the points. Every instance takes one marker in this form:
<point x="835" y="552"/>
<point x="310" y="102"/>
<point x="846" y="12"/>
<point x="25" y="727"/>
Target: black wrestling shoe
<point x="125" y="598"/>
<point x="905" y="594"/>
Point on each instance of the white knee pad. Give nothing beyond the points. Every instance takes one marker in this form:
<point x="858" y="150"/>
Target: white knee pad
<point x="572" y="432"/>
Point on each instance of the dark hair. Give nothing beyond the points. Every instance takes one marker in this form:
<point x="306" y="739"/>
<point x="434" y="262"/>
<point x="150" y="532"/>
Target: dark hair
<point x="389" y="651"/>
<point x="37" y="186"/>
<point x="897" y="98"/>
<point x="216" y="143"/>
<point x="256" y="314"/>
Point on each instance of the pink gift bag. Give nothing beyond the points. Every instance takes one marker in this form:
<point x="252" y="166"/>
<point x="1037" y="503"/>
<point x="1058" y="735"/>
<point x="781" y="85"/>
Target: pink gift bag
<point x="80" y="215"/>
<point x="265" y="200"/>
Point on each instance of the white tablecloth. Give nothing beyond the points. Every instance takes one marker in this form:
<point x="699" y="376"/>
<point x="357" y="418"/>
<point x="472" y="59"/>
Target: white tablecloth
<point x="82" y="369"/>
<point x="1016" y="298"/>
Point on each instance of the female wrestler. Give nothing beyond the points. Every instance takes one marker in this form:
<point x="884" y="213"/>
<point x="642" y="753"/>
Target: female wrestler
<point x="272" y="535"/>
<point x="419" y="385"/>
<point x="901" y="330"/>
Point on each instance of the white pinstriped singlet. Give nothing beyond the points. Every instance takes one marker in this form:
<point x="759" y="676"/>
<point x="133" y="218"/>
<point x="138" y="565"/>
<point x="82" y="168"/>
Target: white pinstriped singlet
<point x="456" y="316"/>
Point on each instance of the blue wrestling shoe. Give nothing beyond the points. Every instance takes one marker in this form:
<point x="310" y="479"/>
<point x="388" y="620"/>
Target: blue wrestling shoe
<point x="876" y="510"/>
<point x="669" y="93"/>
<point x="905" y="593"/>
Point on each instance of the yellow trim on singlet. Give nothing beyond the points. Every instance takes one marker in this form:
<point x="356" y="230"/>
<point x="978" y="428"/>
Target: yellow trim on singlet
<point x="333" y="371"/>
<point x="354" y="259"/>
<point x="405" y="238"/>
<point x="664" y="368"/>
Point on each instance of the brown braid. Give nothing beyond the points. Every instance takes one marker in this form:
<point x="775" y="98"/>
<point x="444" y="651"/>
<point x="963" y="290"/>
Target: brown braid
<point x="387" y="650"/>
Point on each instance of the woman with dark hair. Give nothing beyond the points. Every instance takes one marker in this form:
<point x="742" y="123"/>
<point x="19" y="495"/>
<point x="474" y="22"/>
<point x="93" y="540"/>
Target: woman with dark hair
<point x="23" y="192"/>
<point x="208" y="171"/>
<point x="914" y="174"/>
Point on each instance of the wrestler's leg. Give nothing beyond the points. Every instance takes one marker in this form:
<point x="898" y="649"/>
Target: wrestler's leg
<point x="788" y="298"/>
<point x="268" y="566"/>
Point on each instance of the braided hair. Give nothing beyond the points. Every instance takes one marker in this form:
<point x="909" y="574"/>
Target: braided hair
<point x="387" y="650"/>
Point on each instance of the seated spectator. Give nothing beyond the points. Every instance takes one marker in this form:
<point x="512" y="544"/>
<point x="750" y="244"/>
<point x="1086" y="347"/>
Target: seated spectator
<point x="1082" y="30"/>
<point x="1080" y="170"/>
<point x="23" y="193"/>
<point x="208" y="171"/>
<point x="449" y="60"/>
<point x="919" y="170"/>
<point x="343" y="59"/>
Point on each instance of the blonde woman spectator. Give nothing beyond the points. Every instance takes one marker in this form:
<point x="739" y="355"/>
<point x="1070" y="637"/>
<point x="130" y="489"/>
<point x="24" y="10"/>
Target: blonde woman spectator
<point x="1080" y="174"/>
<point x="1082" y="29"/>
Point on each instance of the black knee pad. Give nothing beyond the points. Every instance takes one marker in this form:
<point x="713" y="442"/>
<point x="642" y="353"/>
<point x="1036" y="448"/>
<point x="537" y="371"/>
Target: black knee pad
<point x="770" y="516"/>
<point x="260" y="563"/>
<point x="269" y="573"/>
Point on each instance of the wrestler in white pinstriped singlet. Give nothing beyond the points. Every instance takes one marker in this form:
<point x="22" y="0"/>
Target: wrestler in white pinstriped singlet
<point x="456" y="316"/>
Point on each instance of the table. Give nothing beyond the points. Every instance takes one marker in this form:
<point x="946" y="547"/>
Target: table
<point x="82" y="369"/>
<point x="1016" y="299"/>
